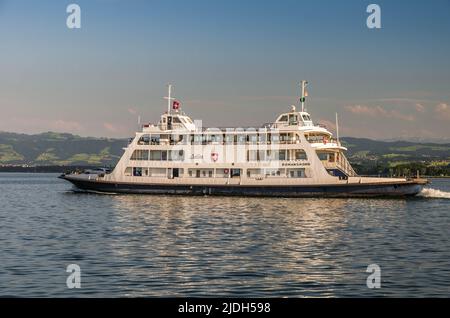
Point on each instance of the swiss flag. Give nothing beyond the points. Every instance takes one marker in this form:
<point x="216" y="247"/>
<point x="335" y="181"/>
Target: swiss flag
<point x="176" y="105"/>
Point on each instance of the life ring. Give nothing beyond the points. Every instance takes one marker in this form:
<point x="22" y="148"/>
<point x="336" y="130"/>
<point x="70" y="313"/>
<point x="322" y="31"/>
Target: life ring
<point x="226" y="171"/>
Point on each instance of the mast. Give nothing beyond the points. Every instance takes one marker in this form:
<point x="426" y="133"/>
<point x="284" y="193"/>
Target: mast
<point x="303" y="85"/>
<point x="337" y="128"/>
<point x="169" y="98"/>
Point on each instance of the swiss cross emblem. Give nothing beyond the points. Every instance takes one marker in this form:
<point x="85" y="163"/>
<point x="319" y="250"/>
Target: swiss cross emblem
<point x="214" y="156"/>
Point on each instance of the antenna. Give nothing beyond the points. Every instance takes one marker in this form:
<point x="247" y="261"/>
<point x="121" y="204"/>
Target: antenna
<point x="337" y="128"/>
<point x="303" y="85"/>
<point x="169" y="98"/>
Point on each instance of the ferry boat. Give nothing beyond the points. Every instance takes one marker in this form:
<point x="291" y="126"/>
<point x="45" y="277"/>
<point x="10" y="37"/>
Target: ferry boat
<point x="290" y="157"/>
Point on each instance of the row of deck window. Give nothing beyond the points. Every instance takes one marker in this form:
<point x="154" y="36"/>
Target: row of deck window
<point x="214" y="173"/>
<point x="252" y="155"/>
<point x="158" y="155"/>
<point x="270" y="155"/>
<point x="203" y="139"/>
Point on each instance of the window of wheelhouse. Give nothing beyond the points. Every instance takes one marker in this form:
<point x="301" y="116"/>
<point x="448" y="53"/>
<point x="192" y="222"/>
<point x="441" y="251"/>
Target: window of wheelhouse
<point x="306" y="118"/>
<point x="283" y="118"/>
<point x="176" y="120"/>
<point x="293" y="119"/>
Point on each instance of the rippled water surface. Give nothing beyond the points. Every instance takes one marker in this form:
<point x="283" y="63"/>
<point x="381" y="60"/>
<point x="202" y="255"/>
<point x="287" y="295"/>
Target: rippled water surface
<point x="129" y="245"/>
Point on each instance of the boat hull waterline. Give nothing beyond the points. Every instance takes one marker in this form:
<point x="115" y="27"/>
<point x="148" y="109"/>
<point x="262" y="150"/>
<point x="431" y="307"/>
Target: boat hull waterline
<point x="391" y="189"/>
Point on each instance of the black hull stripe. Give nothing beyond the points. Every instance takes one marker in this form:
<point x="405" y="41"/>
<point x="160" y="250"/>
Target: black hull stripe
<point x="360" y="190"/>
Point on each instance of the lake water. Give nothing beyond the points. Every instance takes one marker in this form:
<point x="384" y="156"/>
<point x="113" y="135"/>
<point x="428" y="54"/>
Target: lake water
<point x="129" y="245"/>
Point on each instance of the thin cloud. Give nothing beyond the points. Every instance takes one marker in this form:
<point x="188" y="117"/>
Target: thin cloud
<point x="65" y="125"/>
<point x="442" y="111"/>
<point x="420" y="108"/>
<point x="132" y="111"/>
<point x="110" y="127"/>
<point x="378" y="111"/>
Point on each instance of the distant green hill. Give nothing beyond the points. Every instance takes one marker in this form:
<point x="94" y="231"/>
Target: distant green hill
<point x="50" y="149"/>
<point x="58" y="149"/>
<point x="360" y="149"/>
<point x="398" y="157"/>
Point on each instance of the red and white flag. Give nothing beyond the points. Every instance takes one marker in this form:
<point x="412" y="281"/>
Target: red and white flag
<point x="176" y="105"/>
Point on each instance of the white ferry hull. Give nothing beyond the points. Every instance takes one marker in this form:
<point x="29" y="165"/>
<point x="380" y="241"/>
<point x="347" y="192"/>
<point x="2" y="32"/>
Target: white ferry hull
<point x="382" y="189"/>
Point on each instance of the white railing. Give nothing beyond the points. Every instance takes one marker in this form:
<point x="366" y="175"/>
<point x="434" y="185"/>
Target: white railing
<point x="342" y="164"/>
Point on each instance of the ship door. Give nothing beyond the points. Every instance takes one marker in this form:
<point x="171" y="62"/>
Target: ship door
<point x="169" y="123"/>
<point x="176" y="172"/>
<point x="235" y="173"/>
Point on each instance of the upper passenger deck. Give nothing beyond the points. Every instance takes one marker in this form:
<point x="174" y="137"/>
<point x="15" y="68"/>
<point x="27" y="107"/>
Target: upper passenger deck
<point x="174" y="121"/>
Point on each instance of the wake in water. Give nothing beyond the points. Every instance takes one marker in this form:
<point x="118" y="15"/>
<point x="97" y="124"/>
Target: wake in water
<point x="434" y="193"/>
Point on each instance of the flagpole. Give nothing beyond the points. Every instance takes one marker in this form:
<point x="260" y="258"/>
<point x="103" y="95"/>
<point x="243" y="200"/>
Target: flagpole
<point x="169" y="98"/>
<point x="302" y="98"/>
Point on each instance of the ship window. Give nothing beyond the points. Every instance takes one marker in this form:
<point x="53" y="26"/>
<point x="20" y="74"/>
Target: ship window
<point x="198" y="139"/>
<point x="252" y="155"/>
<point x="140" y="155"/>
<point x="296" y="173"/>
<point x="331" y="157"/>
<point x="144" y="140"/>
<point x="275" y="138"/>
<point x="229" y="139"/>
<point x="128" y="171"/>
<point x="306" y="118"/>
<point x="293" y="119"/>
<point x="272" y="172"/>
<point x="323" y="156"/>
<point x="176" y="120"/>
<point x="256" y="155"/>
<point x="252" y="138"/>
<point x="176" y="155"/>
<point x="283" y="118"/>
<point x="255" y="173"/>
<point x="300" y="154"/>
<point x="156" y="155"/>
<point x="157" y="172"/>
<point x="274" y="155"/>
<point x="241" y="139"/>
<point x="137" y="172"/>
<point x="154" y="139"/>
<point x="235" y="173"/>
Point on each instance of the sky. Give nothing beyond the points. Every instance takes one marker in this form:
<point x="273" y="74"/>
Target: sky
<point x="232" y="63"/>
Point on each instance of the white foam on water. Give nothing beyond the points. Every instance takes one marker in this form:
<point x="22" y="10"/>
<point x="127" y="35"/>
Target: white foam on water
<point x="434" y="193"/>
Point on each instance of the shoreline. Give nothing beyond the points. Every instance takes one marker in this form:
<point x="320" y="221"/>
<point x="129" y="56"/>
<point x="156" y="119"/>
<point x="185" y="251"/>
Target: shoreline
<point x="63" y="169"/>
